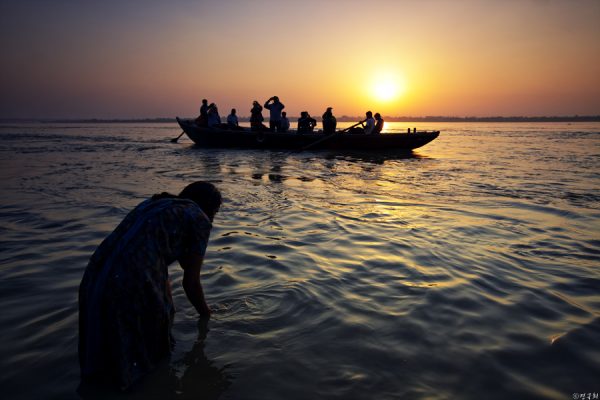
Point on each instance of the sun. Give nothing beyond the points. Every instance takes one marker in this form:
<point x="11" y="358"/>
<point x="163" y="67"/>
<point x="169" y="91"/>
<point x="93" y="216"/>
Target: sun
<point x="386" y="87"/>
<point x="385" y="90"/>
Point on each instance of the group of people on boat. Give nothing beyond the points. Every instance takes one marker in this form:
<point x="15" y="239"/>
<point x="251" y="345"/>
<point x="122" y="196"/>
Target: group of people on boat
<point x="209" y="117"/>
<point x="279" y="122"/>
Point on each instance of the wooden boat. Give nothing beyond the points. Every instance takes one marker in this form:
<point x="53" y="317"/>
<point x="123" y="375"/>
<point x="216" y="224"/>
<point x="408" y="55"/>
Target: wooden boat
<point x="245" y="138"/>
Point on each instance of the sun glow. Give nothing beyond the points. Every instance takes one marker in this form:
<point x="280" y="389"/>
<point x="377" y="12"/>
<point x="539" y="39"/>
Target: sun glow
<point x="385" y="91"/>
<point x="386" y="87"/>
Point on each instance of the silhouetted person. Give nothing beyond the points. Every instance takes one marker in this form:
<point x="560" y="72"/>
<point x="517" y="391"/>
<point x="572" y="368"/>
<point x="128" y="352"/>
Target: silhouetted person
<point x="369" y="123"/>
<point x="329" y="121"/>
<point x="202" y="119"/>
<point x="368" y="128"/>
<point x="214" y="119"/>
<point x="232" y="121"/>
<point x="125" y="305"/>
<point x="306" y="123"/>
<point x="256" y="117"/>
<point x="285" y="122"/>
<point x="204" y="107"/>
<point x="275" y="107"/>
<point x="378" y="123"/>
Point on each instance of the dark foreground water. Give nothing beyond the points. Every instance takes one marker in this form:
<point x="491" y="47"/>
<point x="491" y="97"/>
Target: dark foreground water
<point x="470" y="269"/>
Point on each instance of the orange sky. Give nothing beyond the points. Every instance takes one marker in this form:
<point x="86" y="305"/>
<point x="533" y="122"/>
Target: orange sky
<point x="67" y="59"/>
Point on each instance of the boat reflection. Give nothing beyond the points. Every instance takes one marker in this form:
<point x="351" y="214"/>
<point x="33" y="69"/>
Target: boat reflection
<point x="374" y="157"/>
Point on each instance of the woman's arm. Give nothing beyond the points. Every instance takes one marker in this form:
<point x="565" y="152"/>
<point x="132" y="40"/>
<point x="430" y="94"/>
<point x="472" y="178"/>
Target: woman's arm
<point x="192" y="263"/>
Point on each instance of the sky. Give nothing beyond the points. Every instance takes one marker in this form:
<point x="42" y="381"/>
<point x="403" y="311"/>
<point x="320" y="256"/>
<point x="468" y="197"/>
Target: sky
<point x="146" y="59"/>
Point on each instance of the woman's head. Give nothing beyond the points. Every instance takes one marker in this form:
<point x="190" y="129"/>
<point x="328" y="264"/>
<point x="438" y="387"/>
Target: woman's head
<point x="206" y="195"/>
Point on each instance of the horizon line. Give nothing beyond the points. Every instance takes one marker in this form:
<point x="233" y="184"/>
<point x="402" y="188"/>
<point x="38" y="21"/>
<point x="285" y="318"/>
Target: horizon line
<point x="343" y="118"/>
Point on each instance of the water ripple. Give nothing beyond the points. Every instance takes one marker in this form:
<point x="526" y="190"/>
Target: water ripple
<point x="467" y="269"/>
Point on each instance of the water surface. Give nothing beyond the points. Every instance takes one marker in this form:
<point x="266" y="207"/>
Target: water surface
<point x="467" y="269"/>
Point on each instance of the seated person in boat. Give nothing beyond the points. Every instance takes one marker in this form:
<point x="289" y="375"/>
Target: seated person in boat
<point x="202" y="119"/>
<point x="256" y="117"/>
<point x="368" y="128"/>
<point x="370" y="123"/>
<point x="232" y="121"/>
<point x="306" y="123"/>
<point x="378" y="123"/>
<point x="214" y="119"/>
<point x="285" y="122"/>
<point x="329" y="121"/>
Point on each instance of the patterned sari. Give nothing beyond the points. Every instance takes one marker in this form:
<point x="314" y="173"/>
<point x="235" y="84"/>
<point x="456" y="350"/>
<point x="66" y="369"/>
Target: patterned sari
<point x="125" y="304"/>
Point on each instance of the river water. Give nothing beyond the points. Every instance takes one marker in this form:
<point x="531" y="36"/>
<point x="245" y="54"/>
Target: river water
<point x="467" y="269"/>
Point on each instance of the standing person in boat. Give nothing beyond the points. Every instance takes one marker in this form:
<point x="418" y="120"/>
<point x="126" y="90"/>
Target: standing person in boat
<point x="232" y="120"/>
<point x="378" y="123"/>
<point x="204" y="108"/>
<point x="214" y="119"/>
<point x="256" y="117"/>
<point x="285" y="122"/>
<point x="329" y="121"/>
<point x="275" y="107"/>
<point x="306" y="123"/>
<point x="125" y="304"/>
<point x="202" y="119"/>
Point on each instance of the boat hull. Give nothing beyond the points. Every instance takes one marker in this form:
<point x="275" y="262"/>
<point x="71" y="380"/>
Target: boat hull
<point x="225" y="138"/>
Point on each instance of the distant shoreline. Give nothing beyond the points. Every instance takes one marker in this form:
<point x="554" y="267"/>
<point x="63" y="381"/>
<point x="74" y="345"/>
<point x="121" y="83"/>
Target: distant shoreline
<point x="344" y="118"/>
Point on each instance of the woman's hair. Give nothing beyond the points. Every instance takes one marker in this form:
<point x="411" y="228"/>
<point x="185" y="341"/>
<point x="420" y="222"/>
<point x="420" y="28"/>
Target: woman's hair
<point x="205" y="194"/>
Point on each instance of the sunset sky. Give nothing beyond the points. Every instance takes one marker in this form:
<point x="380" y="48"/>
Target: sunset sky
<point x="137" y="59"/>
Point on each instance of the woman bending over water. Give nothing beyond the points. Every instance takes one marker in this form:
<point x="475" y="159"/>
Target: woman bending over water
<point x="125" y="304"/>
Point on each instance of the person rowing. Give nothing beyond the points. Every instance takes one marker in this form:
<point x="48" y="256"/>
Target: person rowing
<point x="367" y="126"/>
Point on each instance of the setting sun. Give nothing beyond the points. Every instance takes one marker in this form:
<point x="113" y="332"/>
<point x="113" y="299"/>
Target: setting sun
<point x="386" y="87"/>
<point x="385" y="91"/>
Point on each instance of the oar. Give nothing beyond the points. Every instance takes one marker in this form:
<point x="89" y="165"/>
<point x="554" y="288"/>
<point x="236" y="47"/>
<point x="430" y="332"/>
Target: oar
<point x="177" y="138"/>
<point x="308" y="146"/>
<point x="350" y="127"/>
